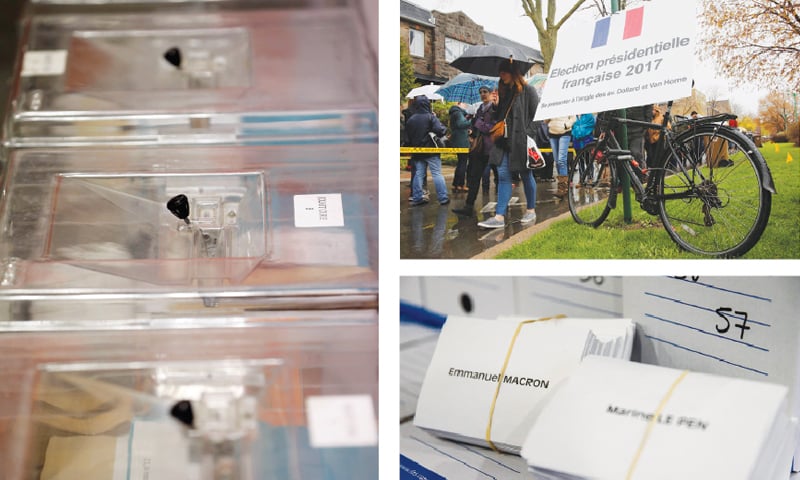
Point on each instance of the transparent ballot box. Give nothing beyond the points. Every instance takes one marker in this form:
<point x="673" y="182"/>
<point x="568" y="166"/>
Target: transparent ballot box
<point x="290" y="398"/>
<point x="186" y="228"/>
<point x="215" y="73"/>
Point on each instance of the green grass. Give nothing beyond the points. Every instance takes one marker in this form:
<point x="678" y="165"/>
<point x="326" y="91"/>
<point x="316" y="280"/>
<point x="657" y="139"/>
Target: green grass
<point x="645" y="237"/>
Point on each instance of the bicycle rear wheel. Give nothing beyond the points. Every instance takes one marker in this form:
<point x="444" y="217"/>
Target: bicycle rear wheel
<point x="589" y="190"/>
<point x="718" y="206"/>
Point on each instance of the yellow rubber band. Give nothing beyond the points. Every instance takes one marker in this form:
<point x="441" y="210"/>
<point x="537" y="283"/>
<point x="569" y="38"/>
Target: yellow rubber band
<point x="503" y="373"/>
<point x="652" y="423"/>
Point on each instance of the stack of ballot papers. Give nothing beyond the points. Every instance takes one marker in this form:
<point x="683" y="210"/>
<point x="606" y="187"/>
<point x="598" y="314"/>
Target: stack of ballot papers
<point x="613" y="420"/>
<point x="467" y="394"/>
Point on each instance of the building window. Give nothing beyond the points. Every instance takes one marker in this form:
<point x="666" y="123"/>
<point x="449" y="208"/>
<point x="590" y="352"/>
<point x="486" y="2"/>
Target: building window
<point x="416" y="42"/>
<point x="453" y="48"/>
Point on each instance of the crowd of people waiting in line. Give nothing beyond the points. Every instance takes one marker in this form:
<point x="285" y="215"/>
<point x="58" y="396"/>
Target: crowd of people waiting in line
<point x="512" y="106"/>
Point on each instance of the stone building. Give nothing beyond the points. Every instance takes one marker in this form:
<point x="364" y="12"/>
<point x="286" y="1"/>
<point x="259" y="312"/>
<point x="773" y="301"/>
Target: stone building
<point x="436" y="38"/>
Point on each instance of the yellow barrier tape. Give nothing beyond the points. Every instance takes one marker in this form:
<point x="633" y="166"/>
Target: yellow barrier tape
<point x="453" y="150"/>
<point x="653" y="421"/>
<point x="503" y="373"/>
<point x="433" y="150"/>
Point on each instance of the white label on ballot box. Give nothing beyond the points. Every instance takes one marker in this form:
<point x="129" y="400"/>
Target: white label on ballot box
<point x="44" y="62"/>
<point x="319" y="210"/>
<point x="461" y="381"/>
<point x="341" y="421"/>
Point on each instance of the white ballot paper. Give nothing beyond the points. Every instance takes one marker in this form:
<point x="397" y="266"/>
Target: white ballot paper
<point x="487" y="378"/>
<point x="613" y="420"/>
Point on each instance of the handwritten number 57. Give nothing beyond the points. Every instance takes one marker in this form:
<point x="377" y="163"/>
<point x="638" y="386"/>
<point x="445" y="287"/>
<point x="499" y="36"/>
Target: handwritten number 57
<point x="724" y="329"/>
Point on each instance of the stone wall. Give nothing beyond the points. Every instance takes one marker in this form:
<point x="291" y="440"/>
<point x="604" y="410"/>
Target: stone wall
<point x="458" y="26"/>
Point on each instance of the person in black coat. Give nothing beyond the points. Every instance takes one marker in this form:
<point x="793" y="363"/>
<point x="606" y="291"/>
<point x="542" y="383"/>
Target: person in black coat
<point x="483" y="121"/>
<point x="517" y="102"/>
<point x="459" y="138"/>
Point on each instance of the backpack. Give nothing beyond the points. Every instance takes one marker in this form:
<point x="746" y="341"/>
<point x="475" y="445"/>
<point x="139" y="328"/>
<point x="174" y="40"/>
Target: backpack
<point x="583" y="126"/>
<point x="653" y="134"/>
<point x="435" y="141"/>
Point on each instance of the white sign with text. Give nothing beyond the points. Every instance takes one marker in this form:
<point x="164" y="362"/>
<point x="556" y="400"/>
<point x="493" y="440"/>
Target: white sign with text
<point x="637" y="56"/>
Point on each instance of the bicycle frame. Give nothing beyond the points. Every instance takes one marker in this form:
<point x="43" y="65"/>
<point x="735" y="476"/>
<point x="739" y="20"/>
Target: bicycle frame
<point x="667" y="135"/>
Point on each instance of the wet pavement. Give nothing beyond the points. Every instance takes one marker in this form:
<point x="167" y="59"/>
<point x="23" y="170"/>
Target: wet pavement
<point x="434" y="231"/>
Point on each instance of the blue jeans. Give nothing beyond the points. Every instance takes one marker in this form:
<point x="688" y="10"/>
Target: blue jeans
<point x="560" y="146"/>
<point x="504" y="187"/>
<point x="433" y="162"/>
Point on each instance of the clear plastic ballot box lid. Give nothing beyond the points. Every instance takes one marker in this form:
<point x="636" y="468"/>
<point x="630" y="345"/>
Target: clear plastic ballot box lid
<point x="187" y="227"/>
<point x="281" y="397"/>
<point x="212" y="72"/>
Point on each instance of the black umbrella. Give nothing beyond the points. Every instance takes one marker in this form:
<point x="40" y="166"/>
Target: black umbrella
<point x="485" y="59"/>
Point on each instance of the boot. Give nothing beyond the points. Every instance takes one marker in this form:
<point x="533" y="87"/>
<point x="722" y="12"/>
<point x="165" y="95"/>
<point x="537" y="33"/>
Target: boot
<point x="562" y="186"/>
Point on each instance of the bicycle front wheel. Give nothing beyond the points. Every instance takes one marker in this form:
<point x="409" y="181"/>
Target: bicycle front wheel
<point x="715" y="204"/>
<point x="589" y="186"/>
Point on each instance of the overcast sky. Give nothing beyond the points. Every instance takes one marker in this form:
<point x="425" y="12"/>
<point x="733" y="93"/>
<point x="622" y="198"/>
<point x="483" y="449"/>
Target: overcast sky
<point x="507" y="18"/>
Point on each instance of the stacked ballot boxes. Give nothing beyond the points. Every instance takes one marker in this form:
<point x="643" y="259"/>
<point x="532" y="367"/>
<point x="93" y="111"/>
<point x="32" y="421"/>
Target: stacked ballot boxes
<point x="189" y="207"/>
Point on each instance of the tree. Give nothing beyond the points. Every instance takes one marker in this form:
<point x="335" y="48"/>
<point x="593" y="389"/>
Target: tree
<point x="747" y="123"/>
<point x="776" y="112"/>
<point x="604" y="10"/>
<point x="753" y="40"/>
<point x="546" y="26"/>
<point x="407" y="79"/>
<point x="713" y="94"/>
<point x="793" y="133"/>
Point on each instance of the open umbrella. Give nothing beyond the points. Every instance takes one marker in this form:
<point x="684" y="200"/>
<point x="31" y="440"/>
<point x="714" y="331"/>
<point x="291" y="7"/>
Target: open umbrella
<point x="426" y="90"/>
<point x="485" y="59"/>
<point x="464" y="87"/>
<point x="537" y="82"/>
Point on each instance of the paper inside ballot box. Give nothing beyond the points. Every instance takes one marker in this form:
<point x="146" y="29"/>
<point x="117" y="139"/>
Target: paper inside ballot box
<point x="709" y="426"/>
<point x="461" y="381"/>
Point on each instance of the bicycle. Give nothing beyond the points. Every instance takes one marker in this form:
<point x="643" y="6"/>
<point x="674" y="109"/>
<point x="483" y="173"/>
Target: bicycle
<point x="709" y="184"/>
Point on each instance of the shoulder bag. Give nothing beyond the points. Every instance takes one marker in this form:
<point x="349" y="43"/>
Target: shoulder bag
<point x="499" y="128"/>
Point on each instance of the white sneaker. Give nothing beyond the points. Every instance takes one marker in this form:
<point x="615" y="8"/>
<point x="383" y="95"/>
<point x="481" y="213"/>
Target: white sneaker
<point x="529" y="217"/>
<point x="492" y="223"/>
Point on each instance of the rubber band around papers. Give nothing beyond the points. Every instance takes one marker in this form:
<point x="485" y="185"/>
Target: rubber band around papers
<point x="503" y="373"/>
<point x="652" y="423"/>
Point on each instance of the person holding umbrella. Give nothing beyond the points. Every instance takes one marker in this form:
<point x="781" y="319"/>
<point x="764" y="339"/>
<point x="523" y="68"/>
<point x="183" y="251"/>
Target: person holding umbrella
<point x="517" y="103"/>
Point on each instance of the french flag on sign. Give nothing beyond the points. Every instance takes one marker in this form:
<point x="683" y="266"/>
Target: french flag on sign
<point x="633" y="27"/>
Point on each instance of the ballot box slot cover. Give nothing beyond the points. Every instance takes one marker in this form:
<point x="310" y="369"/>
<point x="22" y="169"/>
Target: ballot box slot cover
<point x="120" y="224"/>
